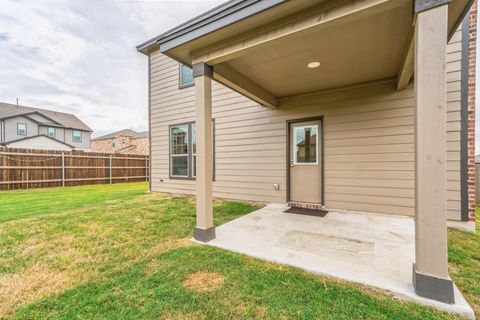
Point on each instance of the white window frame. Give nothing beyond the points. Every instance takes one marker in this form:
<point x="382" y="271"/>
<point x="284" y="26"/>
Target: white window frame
<point x="48" y="132"/>
<point x="73" y="136"/>
<point x="18" y="129"/>
<point x="295" y="162"/>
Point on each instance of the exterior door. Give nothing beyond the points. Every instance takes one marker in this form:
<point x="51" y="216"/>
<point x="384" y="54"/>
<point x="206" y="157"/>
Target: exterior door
<point x="306" y="161"/>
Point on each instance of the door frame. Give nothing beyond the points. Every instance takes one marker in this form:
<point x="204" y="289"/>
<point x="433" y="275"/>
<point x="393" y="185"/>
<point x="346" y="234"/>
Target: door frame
<point x="321" y="150"/>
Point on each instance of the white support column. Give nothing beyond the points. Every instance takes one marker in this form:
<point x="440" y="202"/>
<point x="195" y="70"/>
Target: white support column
<point x="430" y="271"/>
<point x="203" y="73"/>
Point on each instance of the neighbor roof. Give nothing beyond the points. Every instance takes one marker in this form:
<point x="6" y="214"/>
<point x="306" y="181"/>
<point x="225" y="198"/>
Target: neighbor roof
<point x="66" y="120"/>
<point x="219" y="17"/>
<point x="124" y="132"/>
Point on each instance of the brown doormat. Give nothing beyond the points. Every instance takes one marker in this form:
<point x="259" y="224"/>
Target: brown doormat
<point x="307" y="212"/>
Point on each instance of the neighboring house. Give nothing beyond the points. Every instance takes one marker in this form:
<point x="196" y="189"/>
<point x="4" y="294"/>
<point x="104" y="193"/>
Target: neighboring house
<point x="341" y="74"/>
<point x="125" y="141"/>
<point x="34" y="128"/>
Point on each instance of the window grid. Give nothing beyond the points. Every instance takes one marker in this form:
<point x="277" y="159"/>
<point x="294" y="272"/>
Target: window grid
<point x="76" y="136"/>
<point x="22" y="129"/>
<point x="51" y="132"/>
<point x="183" y="150"/>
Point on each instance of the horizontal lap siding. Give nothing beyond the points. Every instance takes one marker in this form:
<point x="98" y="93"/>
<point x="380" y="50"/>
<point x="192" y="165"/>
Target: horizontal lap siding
<point x="368" y="142"/>
<point x="454" y="63"/>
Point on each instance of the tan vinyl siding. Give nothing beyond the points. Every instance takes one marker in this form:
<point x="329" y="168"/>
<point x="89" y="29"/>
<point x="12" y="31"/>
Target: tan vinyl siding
<point x="454" y="65"/>
<point x="368" y="141"/>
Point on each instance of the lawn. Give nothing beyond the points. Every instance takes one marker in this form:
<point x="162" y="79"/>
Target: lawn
<point x="118" y="252"/>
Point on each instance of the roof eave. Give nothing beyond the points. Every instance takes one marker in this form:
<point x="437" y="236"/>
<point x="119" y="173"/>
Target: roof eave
<point x="210" y="21"/>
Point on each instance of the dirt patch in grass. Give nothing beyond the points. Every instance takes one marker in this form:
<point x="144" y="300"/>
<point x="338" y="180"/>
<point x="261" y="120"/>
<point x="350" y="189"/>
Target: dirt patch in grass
<point x="188" y="316"/>
<point x="204" y="281"/>
<point x="37" y="282"/>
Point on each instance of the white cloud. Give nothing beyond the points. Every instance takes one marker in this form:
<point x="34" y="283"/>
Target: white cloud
<point x="80" y="57"/>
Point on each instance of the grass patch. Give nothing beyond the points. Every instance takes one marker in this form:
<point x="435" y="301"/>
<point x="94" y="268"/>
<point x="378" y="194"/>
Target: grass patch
<point x="464" y="262"/>
<point x="118" y="252"/>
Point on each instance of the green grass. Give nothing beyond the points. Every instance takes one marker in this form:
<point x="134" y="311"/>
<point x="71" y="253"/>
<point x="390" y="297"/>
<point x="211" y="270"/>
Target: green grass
<point x="464" y="261"/>
<point x="117" y="252"/>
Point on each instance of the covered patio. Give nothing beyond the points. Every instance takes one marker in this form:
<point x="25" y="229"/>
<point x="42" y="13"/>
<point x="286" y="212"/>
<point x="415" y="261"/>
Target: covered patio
<point x="265" y="51"/>
<point x="371" y="249"/>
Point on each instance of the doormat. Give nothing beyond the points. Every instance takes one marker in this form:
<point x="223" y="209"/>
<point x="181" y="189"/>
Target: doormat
<point x="307" y="212"/>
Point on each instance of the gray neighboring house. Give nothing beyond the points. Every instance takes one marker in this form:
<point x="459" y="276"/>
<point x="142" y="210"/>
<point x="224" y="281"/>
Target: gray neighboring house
<point x="34" y="128"/>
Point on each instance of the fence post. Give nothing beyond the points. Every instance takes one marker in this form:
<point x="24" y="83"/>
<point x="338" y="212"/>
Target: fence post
<point x="63" y="169"/>
<point x="146" y="168"/>
<point x="110" y="169"/>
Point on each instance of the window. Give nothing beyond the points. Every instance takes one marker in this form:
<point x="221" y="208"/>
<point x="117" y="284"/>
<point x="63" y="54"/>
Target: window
<point x="77" y="136"/>
<point x="183" y="151"/>
<point x="22" y="129"/>
<point x="305" y="141"/>
<point x="113" y="142"/>
<point x="179" y="151"/>
<point x="186" y="76"/>
<point x="124" y="140"/>
<point x="51" y="132"/>
<point x="194" y="151"/>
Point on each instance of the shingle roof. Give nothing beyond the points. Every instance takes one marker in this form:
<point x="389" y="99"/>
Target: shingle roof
<point x="124" y="132"/>
<point x="66" y="120"/>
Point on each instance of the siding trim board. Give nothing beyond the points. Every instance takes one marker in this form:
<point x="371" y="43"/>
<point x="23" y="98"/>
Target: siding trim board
<point x="464" y="118"/>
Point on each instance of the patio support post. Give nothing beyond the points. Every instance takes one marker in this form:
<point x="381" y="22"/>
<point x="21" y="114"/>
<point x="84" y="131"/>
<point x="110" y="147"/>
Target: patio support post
<point x="203" y="73"/>
<point x="430" y="270"/>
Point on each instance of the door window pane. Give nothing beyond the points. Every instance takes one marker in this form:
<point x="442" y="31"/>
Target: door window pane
<point x="305" y="144"/>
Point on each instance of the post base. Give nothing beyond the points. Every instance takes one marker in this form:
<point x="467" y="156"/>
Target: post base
<point x="434" y="288"/>
<point x="204" y="235"/>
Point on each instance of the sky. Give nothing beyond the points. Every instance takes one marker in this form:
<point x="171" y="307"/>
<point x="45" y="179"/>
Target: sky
<point x="79" y="56"/>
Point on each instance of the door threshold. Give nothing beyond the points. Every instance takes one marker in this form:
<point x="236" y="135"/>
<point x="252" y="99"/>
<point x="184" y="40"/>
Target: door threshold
<point x="306" y="205"/>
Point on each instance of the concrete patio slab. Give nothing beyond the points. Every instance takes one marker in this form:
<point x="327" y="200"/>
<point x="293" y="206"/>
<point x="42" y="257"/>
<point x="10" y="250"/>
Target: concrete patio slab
<point x="372" y="249"/>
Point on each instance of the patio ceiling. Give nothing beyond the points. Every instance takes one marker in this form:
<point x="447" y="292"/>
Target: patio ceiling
<point x="265" y="56"/>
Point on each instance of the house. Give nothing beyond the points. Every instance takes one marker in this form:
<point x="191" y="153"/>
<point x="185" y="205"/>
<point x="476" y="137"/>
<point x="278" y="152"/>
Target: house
<point x="34" y="128"/>
<point x="124" y="141"/>
<point x="379" y="93"/>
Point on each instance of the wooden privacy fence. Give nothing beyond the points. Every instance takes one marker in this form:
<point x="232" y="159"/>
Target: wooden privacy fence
<point x="28" y="168"/>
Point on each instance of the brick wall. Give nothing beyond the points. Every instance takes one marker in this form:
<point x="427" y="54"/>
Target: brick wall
<point x="143" y="146"/>
<point x="471" y="110"/>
